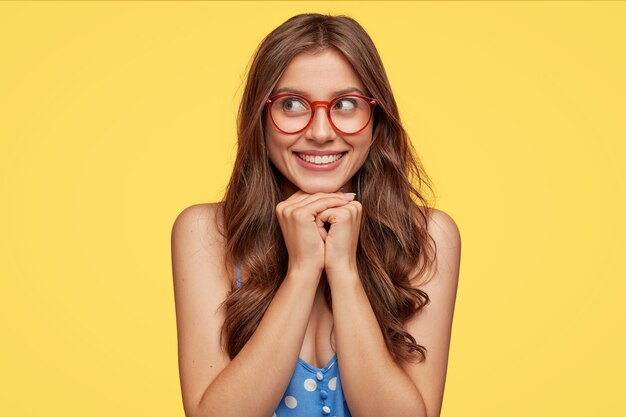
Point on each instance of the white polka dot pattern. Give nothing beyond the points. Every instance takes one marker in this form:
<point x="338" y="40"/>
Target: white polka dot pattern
<point x="310" y="385"/>
<point x="332" y="384"/>
<point x="291" y="402"/>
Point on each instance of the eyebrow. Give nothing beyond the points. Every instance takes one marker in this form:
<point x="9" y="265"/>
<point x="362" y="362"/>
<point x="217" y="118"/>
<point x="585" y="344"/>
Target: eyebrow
<point x="335" y="94"/>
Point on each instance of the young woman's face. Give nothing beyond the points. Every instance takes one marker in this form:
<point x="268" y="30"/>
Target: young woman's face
<point x="318" y="76"/>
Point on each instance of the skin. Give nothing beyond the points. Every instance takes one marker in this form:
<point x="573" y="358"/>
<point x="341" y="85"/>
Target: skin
<point x="319" y="195"/>
<point x="315" y="197"/>
<point x="297" y="321"/>
<point x="319" y="75"/>
<point x="321" y="256"/>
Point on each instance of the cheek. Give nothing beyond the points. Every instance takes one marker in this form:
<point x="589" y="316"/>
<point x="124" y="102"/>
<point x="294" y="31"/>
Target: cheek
<point x="277" y="149"/>
<point x="362" y="157"/>
<point x="362" y="145"/>
<point x="274" y="153"/>
<point x="362" y="152"/>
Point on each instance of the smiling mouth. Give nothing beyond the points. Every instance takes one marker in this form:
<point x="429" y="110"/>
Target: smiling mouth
<point x="320" y="160"/>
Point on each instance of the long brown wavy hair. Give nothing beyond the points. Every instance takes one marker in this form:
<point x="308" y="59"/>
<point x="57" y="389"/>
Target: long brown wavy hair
<point x="393" y="246"/>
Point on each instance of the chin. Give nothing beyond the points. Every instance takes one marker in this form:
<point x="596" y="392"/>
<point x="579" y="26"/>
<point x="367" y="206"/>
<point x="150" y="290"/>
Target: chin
<point x="319" y="188"/>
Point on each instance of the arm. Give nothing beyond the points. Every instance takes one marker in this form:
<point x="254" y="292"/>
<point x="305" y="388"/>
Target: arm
<point x="373" y="383"/>
<point x="252" y="384"/>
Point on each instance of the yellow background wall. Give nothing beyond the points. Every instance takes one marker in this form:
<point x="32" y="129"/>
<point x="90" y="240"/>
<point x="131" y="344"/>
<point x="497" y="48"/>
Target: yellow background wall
<point x="116" y="116"/>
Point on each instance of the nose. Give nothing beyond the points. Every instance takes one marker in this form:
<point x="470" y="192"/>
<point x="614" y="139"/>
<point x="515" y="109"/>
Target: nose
<point x="320" y="128"/>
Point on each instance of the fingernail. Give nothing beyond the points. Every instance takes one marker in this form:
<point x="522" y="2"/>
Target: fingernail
<point x="348" y="196"/>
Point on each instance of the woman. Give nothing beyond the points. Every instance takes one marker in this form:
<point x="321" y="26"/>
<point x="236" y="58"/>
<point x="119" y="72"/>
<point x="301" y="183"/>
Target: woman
<point x="318" y="287"/>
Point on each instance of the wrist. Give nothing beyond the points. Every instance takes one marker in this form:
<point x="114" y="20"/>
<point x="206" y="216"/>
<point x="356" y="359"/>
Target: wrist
<point x="303" y="274"/>
<point x="343" y="275"/>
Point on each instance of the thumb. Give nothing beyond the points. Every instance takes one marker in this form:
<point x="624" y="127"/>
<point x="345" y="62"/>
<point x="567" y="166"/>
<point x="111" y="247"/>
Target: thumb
<point x="320" y="226"/>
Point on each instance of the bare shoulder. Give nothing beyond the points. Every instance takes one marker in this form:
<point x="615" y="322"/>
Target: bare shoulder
<point x="198" y="223"/>
<point x="445" y="240"/>
<point x="201" y="284"/>
<point x="441" y="226"/>
<point x="432" y="327"/>
<point x="444" y="276"/>
<point x="444" y="230"/>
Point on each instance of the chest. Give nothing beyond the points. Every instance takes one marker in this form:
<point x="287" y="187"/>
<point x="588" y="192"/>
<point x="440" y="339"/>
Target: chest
<point x="319" y="339"/>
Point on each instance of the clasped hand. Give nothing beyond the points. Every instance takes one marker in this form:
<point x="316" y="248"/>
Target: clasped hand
<point x="302" y="217"/>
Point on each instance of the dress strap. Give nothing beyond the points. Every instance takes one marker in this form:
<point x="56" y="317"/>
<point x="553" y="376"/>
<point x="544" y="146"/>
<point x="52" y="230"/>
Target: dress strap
<point x="238" y="276"/>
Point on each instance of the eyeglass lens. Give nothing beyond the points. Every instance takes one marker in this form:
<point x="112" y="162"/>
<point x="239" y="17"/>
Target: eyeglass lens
<point x="349" y="114"/>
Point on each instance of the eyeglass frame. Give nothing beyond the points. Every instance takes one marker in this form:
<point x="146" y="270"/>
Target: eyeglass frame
<point x="327" y="104"/>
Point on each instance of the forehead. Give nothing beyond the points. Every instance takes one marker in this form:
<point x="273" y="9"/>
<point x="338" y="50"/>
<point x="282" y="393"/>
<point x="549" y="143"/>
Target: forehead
<point x="319" y="75"/>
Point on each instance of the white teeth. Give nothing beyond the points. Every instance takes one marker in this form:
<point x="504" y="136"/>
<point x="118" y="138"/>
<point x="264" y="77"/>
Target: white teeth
<point x="320" y="160"/>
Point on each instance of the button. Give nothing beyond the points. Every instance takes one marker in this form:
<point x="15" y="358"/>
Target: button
<point x="326" y="409"/>
<point x="319" y="376"/>
<point x="324" y="394"/>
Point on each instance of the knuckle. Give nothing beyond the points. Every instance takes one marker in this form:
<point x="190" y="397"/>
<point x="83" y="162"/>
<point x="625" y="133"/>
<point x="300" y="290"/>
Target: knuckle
<point x="355" y="209"/>
<point x="343" y="215"/>
<point x="299" y="214"/>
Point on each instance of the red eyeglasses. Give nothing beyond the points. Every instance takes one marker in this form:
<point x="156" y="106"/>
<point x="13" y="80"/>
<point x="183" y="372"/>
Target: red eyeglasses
<point x="348" y="113"/>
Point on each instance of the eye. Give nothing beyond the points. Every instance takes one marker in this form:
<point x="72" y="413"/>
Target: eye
<point x="293" y="104"/>
<point x="346" y="104"/>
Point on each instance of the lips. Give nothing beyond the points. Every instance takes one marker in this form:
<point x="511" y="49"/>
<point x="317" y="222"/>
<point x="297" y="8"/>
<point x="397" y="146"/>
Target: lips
<point x="319" y="159"/>
<point x="318" y="152"/>
<point x="321" y="166"/>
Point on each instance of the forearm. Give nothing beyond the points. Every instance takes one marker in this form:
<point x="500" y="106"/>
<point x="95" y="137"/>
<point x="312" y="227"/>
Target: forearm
<point x="254" y="381"/>
<point x="373" y="383"/>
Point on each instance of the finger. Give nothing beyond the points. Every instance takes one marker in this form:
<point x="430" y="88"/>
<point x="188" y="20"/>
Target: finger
<point x="320" y="226"/>
<point x="356" y="207"/>
<point x="323" y="232"/>
<point x="318" y="196"/>
<point x="334" y="214"/>
<point x="294" y="198"/>
<point x="300" y="196"/>
<point x="318" y="205"/>
<point x="290" y="205"/>
<point x="327" y="216"/>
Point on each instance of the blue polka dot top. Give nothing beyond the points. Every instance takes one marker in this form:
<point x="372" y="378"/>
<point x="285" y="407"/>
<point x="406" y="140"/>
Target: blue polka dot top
<point x="312" y="392"/>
